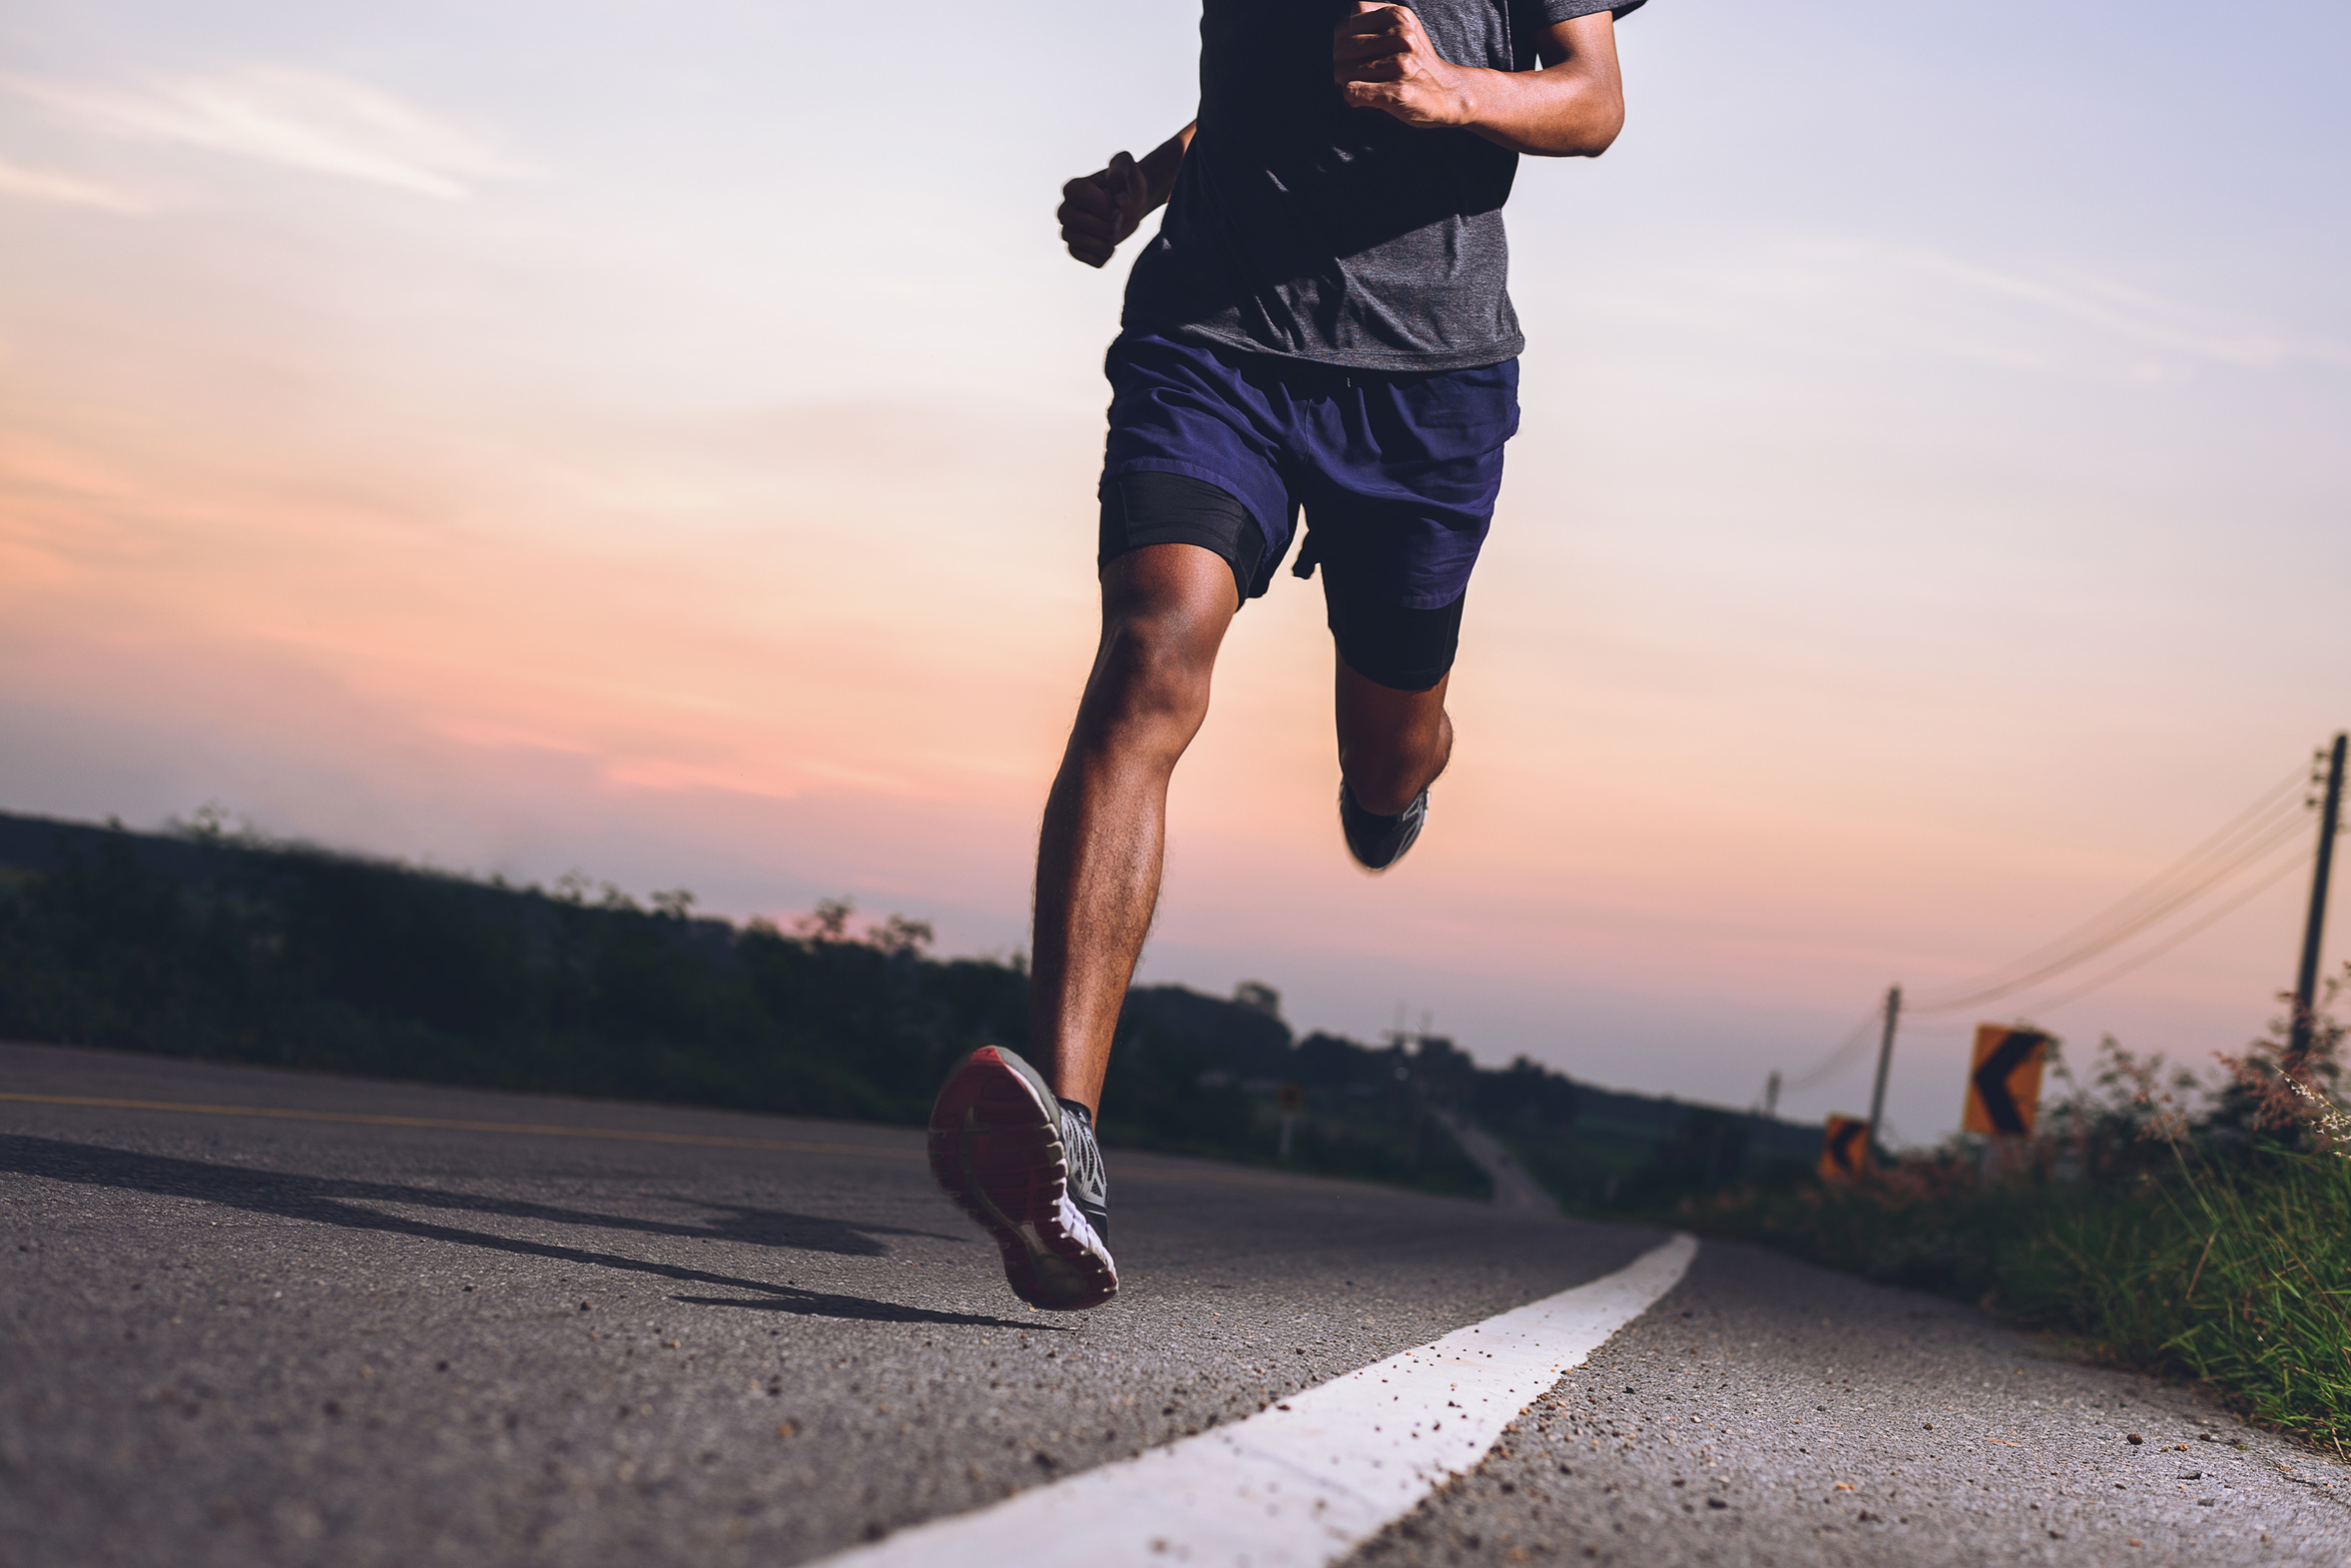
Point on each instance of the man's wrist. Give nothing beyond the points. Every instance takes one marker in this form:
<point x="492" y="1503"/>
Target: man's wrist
<point x="1159" y="168"/>
<point x="1474" y="97"/>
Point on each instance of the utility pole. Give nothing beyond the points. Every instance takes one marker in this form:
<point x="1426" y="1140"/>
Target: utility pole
<point x="2314" y="928"/>
<point x="1771" y="1096"/>
<point x="1884" y="1060"/>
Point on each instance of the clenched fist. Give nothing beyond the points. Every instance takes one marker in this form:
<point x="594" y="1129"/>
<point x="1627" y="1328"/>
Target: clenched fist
<point x="1098" y="211"/>
<point x="1382" y="58"/>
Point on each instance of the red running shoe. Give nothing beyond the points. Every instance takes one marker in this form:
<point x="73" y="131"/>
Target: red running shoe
<point x="1001" y="1146"/>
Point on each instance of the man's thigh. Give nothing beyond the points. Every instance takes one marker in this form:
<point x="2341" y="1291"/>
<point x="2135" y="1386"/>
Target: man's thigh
<point x="1195" y="456"/>
<point x="1400" y="495"/>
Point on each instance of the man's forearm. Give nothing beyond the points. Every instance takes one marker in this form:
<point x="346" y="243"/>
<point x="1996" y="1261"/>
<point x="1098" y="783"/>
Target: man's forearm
<point x="1563" y="112"/>
<point x="1383" y="58"/>
<point x="1159" y="166"/>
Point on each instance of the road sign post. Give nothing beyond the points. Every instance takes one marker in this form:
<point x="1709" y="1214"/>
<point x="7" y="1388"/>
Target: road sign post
<point x="2314" y="927"/>
<point x="1292" y="1096"/>
<point x="1884" y="1060"/>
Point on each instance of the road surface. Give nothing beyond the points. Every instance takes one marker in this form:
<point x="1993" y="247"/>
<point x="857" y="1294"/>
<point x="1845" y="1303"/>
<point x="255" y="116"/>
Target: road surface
<point x="402" y="1324"/>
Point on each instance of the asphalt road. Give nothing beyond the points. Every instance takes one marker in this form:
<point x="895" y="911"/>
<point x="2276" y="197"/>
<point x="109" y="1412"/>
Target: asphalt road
<point x="700" y="1337"/>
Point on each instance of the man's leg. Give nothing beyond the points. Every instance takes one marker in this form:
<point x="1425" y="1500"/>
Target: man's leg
<point x="1165" y="609"/>
<point x="1012" y="1132"/>
<point x="1395" y="667"/>
<point x="1013" y="1147"/>
<point x="1392" y="743"/>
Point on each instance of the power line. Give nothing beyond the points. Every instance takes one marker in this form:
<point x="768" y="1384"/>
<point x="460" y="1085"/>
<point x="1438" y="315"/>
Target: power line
<point x="2251" y="838"/>
<point x="2267" y="813"/>
<point x="2149" y="955"/>
<point x="2246" y="840"/>
<point x="2281" y="833"/>
<point x="1839" y="1055"/>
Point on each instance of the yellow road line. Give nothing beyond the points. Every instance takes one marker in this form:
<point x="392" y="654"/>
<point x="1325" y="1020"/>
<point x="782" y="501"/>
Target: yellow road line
<point x="440" y="1124"/>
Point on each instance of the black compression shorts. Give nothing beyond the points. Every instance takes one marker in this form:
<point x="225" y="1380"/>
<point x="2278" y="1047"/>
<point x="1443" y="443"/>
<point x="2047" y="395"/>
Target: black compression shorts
<point x="1404" y="648"/>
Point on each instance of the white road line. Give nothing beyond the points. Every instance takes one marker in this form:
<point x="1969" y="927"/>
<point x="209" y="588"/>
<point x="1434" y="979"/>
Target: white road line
<point x="1304" y="1483"/>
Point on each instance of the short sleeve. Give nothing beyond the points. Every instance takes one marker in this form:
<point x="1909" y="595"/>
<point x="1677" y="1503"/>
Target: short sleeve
<point x="1569" y="10"/>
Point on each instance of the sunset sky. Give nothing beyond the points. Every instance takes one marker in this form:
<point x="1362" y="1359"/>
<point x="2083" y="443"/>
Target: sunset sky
<point x="659" y="441"/>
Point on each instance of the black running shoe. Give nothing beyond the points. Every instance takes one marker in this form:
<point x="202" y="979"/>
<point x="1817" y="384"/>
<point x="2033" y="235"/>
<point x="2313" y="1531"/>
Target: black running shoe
<point x="1025" y="1166"/>
<point x="1380" y="841"/>
<point x="1089" y="1184"/>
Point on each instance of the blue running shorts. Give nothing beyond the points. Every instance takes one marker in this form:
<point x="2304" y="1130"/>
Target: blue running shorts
<point x="1395" y="473"/>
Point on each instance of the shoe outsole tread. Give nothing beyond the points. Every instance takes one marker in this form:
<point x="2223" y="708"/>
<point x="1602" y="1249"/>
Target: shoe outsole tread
<point x="996" y="1147"/>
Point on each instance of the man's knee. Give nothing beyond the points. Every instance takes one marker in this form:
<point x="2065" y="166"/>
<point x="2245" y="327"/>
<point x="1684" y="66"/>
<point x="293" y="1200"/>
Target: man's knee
<point x="1164" y="613"/>
<point x="1155" y="666"/>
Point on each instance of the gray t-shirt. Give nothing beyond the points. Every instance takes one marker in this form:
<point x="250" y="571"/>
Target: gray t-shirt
<point x="1300" y="226"/>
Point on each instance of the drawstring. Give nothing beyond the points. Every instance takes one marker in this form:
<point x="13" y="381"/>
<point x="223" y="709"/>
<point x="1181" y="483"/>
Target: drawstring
<point x="1308" y="555"/>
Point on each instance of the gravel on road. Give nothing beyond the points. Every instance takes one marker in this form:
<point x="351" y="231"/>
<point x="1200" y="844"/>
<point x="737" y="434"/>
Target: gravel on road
<point x="1770" y="1412"/>
<point x="693" y="1337"/>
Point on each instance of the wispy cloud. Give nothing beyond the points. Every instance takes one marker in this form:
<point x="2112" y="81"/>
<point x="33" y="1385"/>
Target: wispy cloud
<point x="36" y="185"/>
<point x="292" y="118"/>
<point x="2134" y="314"/>
<point x="1848" y="295"/>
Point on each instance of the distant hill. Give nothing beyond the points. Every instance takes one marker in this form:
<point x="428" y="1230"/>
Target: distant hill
<point x="201" y="942"/>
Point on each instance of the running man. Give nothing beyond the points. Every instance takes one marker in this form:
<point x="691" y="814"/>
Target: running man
<point x="1320" y="325"/>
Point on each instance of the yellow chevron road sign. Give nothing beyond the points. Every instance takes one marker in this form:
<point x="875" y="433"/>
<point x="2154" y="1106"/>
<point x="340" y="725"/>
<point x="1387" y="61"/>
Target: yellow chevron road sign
<point x="1844" y="1149"/>
<point x="2004" y="1084"/>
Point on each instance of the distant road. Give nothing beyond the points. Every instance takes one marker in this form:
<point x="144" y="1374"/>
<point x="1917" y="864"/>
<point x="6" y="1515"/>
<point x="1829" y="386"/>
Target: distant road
<point x="1513" y="1189"/>
<point x="396" y="1325"/>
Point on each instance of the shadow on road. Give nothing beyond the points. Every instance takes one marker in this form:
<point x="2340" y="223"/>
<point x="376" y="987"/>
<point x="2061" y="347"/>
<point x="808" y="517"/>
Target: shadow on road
<point x="808" y="1304"/>
<point x="335" y="1201"/>
<point x="232" y="1184"/>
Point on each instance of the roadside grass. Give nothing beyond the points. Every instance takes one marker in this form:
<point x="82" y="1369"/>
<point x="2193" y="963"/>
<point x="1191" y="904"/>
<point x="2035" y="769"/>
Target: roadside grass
<point x="2159" y="1222"/>
<point x="2236" y="1275"/>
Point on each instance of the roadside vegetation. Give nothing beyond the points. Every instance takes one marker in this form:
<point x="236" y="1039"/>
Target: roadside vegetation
<point x="216" y="944"/>
<point x="2197" y="1225"/>
<point x="220" y="944"/>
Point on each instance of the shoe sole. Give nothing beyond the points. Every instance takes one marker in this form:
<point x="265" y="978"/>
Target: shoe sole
<point x="996" y="1147"/>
